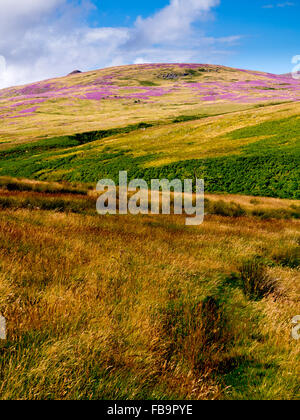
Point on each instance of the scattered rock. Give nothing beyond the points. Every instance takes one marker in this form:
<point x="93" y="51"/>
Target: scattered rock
<point x="74" y="72"/>
<point x="169" y="76"/>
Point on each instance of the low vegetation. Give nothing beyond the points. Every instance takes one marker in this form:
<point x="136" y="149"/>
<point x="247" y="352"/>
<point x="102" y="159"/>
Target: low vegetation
<point x="266" y="163"/>
<point x="144" y="307"/>
<point x="21" y="193"/>
<point x="255" y="280"/>
<point x="124" y="307"/>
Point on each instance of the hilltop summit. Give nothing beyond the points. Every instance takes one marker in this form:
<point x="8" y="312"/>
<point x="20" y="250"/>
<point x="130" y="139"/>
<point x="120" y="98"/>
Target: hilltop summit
<point x="74" y="72"/>
<point x="117" y="96"/>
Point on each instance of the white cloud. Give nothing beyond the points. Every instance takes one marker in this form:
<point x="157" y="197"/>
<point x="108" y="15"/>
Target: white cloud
<point x="280" y="5"/>
<point x="14" y="9"/>
<point x="18" y="15"/>
<point x="41" y="39"/>
<point x="174" y="21"/>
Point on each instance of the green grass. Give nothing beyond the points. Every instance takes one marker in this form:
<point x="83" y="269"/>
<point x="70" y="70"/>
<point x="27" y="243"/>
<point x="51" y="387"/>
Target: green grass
<point x="281" y="134"/>
<point x="147" y="83"/>
<point x="271" y="175"/>
<point x="268" y="167"/>
<point x="183" y="118"/>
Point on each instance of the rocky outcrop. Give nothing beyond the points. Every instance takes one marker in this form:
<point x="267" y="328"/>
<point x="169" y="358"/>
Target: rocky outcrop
<point x="75" y="72"/>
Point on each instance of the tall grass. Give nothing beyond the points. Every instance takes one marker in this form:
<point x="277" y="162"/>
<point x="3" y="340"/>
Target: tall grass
<point x="16" y="193"/>
<point x="256" y="282"/>
<point x="124" y="307"/>
<point x="11" y="184"/>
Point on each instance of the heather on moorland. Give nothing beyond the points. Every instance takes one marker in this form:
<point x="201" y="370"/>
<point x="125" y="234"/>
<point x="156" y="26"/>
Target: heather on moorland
<point x="116" y="97"/>
<point x="157" y="121"/>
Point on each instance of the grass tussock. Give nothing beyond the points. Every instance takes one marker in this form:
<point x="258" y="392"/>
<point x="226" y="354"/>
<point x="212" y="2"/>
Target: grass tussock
<point x="81" y="198"/>
<point x="47" y="202"/>
<point x="221" y="208"/>
<point x="13" y="184"/>
<point x="197" y="332"/>
<point x="255" y="280"/>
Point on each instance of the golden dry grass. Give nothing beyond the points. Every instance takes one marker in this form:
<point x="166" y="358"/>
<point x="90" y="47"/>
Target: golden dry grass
<point x="114" y="307"/>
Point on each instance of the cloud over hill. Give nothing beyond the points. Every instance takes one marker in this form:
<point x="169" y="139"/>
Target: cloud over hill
<point x="44" y="39"/>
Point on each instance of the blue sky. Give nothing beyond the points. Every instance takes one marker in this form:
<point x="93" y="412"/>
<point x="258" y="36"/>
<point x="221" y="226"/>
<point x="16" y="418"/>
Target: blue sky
<point x="41" y="39"/>
<point x="269" y="30"/>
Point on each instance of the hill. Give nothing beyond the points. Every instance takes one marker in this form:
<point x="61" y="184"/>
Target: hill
<point x="144" y="307"/>
<point x="238" y="129"/>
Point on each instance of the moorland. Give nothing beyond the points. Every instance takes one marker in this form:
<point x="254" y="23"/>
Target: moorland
<point x="143" y="307"/>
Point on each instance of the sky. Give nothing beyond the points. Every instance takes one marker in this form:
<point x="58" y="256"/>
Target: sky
<point x="41" y="39"/>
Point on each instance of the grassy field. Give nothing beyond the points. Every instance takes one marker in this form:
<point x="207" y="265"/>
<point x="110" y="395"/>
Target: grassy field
<point x="265" y="155"/>
<point x="131" y="307"/>
<point x="157" y="121"/>
<point x="144" y="307"/>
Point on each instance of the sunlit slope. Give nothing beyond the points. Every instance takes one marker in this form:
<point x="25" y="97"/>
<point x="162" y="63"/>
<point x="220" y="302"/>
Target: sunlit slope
<point x="120" y="96"/>
<point x="159" y="121"/>
<point x="250" y="152"/>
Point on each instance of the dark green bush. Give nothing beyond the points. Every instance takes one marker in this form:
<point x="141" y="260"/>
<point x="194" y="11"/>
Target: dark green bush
<point x="49" y="203"/>
<point x="147" y="83"/>
<point x="221" y="208"/>
<point x="183" y="118"/>
<point x="42" y="188"/>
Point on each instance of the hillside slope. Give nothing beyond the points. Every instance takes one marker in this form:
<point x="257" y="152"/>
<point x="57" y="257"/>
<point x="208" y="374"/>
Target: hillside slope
<point x="238" y="129"/>
<point x="118" y="96"/>
<point x="143" y="307"/>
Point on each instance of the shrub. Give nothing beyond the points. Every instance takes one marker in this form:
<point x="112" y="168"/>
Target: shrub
<point x="191" y="72"/>
<point x="183" y="118"/>
<point x="254" y="201"/>
<point x="221" y="208"/>
<point x="147" y="83"/>
<point x="5" y="202"/>
<point x="295" y="211"/>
